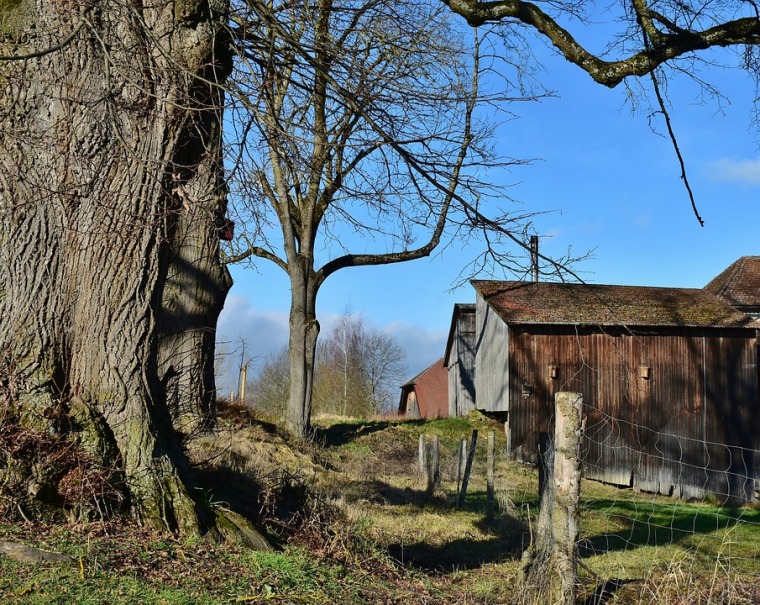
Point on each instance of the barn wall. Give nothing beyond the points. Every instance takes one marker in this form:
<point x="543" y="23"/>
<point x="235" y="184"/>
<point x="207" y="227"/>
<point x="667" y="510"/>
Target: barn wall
<point x="462" y="368"/>
<point x="653" y="401"/>
<point x="432" y="391"/>
<point x="491" y="359"/>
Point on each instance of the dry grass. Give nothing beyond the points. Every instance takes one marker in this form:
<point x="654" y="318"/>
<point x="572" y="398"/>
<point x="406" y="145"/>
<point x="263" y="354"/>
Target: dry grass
<point x="356" y="524"/>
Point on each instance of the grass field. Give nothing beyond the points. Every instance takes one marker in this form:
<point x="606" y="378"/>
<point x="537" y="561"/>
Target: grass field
<point x="351" y="521"/>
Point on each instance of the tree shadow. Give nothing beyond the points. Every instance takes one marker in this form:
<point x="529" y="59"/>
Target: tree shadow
<point x="261" y="505"/>
<point x="605" y="591"/>
<point x="346" y="432"/>
<point x="649" y="524"/>
<point x="505" y="539"/>
<point x="380" y="492"/>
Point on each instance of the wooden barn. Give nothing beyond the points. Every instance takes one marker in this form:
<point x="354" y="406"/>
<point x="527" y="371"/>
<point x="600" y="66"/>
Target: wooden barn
<point x="459" y="359"/>
<point x="426" y="395"/>
<point x="669" y="380"/>
<point x="739" y="285"/>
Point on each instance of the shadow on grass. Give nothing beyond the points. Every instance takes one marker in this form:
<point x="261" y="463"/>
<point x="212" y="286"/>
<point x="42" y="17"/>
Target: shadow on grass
<point x="242" y="494"/>
<point x="605" y="591"/>
<point x="650" y="524"/>
<point x="505" y="539"/>
<point x="342" y="433"/>
<point x="380" y="492"/>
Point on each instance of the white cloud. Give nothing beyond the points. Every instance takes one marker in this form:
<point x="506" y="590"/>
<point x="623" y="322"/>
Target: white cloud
<point x="422" y="346"/>
<point x="263" y="333"/>
<point x="737" y="171"/>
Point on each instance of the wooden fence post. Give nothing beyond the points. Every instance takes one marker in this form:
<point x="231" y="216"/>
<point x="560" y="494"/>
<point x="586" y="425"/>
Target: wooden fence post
<point x="461" y="457"/>
<point x="490" y="473"/>
<point x="549" y="571"/>
<point x="434" y="466"/>
<point x="421" y="456"/>
<point x="241" y="386"/>
<point x="467" y="468"/>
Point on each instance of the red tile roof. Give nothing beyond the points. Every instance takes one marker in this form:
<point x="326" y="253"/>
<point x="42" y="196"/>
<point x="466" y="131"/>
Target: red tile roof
<point x="739" y="284"/>
<point x="600" y="305"/>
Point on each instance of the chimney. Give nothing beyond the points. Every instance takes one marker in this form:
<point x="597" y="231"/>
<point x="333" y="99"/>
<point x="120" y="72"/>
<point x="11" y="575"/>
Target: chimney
<point x="534" y="256"/>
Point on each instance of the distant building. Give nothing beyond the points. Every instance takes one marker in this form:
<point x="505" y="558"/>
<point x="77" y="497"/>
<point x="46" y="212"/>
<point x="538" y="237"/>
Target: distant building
<point x="739" y="285"/>
<point x="669" y="378"/>
<point x="426" y="395"/>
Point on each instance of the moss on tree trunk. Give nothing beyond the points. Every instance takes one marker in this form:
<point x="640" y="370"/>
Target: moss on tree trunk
<point x="110" y="199"/>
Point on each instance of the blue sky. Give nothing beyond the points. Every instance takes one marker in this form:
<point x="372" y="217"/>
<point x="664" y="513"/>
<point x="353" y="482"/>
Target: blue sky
<point x="607" y="183"/>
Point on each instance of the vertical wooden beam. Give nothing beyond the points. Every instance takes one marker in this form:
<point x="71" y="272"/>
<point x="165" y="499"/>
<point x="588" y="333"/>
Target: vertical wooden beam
<point x="461" y="457"/>
<point x="434" y="466"/>
<point x="568" y="432"/>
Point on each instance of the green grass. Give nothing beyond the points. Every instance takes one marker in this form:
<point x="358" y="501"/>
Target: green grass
<point x="389" y="541"/>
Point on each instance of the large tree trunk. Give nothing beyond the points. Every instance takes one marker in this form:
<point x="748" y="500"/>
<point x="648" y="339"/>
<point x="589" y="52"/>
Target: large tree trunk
<point x="302" y="345"/>
<point x="110" y="198"/>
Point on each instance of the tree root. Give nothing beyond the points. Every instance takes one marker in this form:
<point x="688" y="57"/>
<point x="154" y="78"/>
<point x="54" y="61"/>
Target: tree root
<point x="30" y="554"/>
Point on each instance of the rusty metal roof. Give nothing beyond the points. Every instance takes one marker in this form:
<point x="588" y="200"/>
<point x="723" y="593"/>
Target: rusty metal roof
<point x="603" y="305"/>
<point x="739" y="284"/>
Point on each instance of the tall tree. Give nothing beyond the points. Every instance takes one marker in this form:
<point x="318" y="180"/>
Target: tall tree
<point x="358" y="138"/>
<point x="111" y="196"/>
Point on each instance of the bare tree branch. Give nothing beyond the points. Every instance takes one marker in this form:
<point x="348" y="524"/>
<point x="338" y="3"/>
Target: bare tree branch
<point x="666" y="46"/>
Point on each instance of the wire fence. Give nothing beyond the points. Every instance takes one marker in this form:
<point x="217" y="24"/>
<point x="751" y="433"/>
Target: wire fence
<point x="674" y="518"/>
<point x="628" y="454"/>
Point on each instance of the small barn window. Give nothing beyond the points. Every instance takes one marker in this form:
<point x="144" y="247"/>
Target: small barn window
<point x="553" y="372"/>
<point x="644" y="372"/>
<point x="527" y="390"/>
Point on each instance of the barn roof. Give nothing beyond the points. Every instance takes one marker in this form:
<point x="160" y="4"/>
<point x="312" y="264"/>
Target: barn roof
<point x="430" y="369"/>
<point x="739" y="284"/>
<point x="602" y="305"/>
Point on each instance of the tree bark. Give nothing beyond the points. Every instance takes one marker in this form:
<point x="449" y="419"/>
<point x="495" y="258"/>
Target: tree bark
<point x="110" y="197"/>
<point x="302" y="347"/>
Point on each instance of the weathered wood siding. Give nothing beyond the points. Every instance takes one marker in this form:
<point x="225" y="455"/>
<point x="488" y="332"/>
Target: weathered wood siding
<point x="668" y="412"/>
<point x="462" y="366"/>
<point x="491" y="359"/>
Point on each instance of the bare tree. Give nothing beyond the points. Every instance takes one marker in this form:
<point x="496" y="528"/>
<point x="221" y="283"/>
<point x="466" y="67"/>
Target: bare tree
<point x="340" y="365"/>
<point x="268" y="392"/>
<point x="359" y="369"/>
<point x="358" y="141"/>
<point x="384" y="368"/>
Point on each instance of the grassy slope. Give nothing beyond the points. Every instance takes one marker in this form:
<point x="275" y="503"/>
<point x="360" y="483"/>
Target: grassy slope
<point x="353" y="523"/>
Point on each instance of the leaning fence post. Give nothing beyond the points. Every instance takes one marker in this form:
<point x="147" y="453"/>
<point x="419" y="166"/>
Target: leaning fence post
<point x="467" y="468"/>
<point x="549" y="571"/>
<point x="460" y="464"/>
